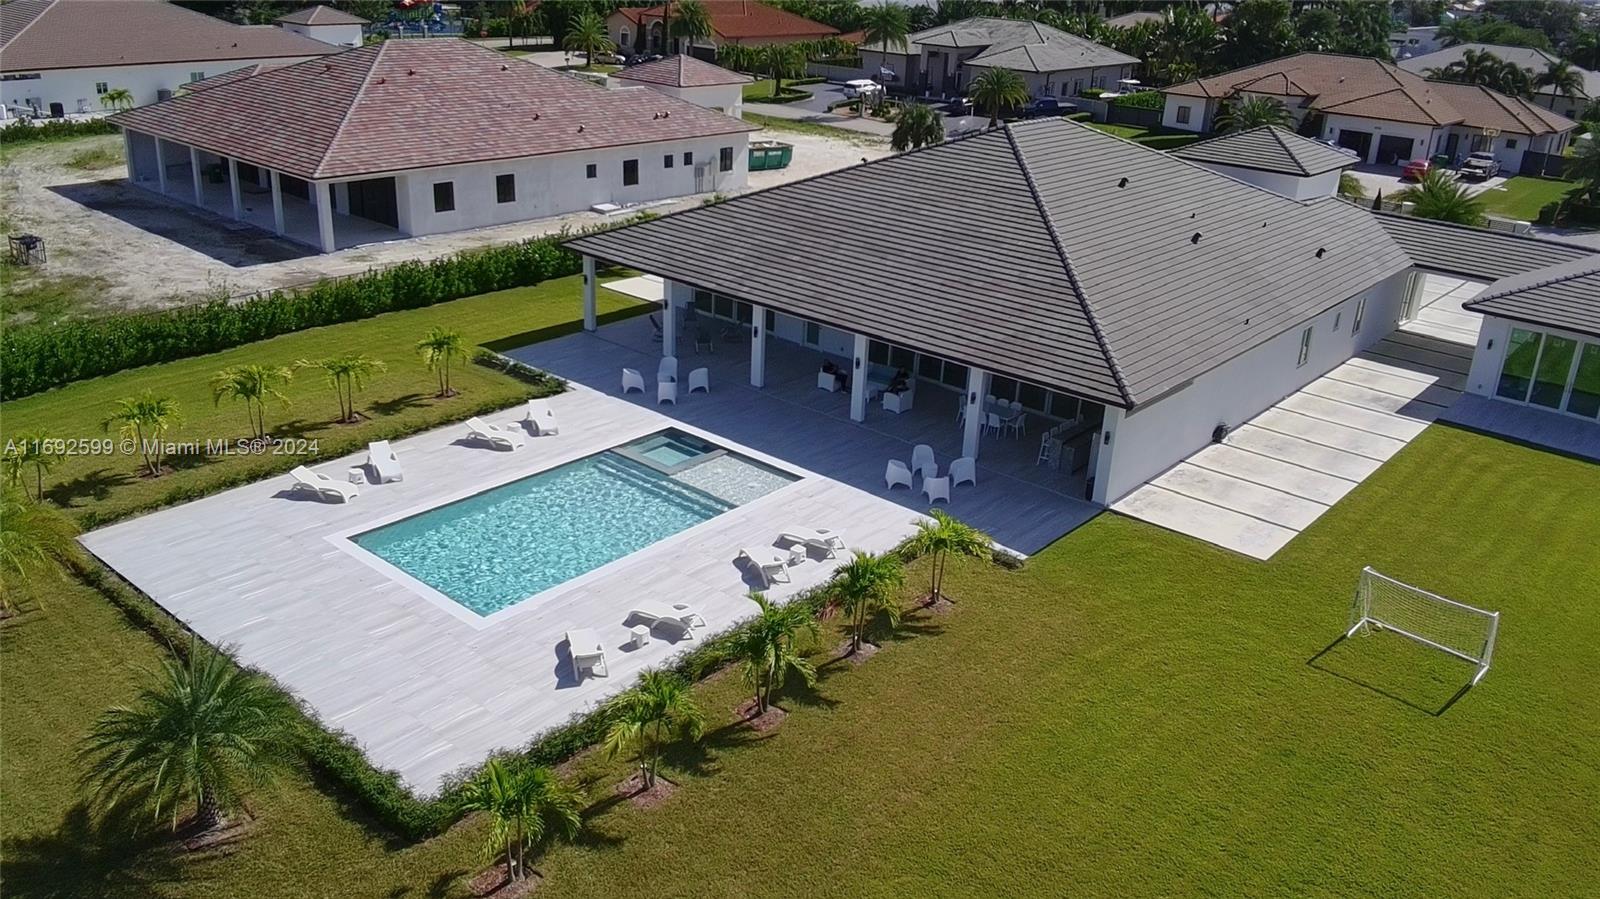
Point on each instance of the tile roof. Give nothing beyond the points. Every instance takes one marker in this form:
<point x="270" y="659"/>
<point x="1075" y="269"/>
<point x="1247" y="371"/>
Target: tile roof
<point x="320" y="15"/>
<point x="1046" y="251"/>
<point x="227" y="77"/>
<point x="39" y="35"/>
<point x="743" y="20"/>
<point x="1526" y="57"/>
<point x="408" y="104"/>
<point x="1476" y="253"/>
<point x="681" y="70"/>
<point x="1018" y="44"/>
<point x="1485" y="108"/>
<point x="1268" y="149"/>
<point x="1564" y="295"/>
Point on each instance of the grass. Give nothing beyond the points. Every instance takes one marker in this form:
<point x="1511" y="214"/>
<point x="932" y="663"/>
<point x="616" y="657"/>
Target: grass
<point x="1133" y="712"/>
<point x="774" y="123"/>
<point x="400" y="400"/>
<point x="1523" y="196"/>
<point x="29" y="297"/>
<point x="1156" y="139"/>
<point x="761" y="92"/>
<point x="93" y="159"/>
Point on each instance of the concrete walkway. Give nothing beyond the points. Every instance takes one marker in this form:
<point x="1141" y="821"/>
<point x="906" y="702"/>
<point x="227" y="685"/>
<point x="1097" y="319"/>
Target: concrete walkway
<point x="1441" y="314"/>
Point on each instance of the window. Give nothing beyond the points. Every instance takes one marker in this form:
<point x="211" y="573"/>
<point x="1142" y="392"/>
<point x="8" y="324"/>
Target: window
<point x="100" y="87"/>
<point x="444" y="196"/>
<point x="1305" y="347"/>
<point x="1551" y="371"/>
<point x="1337" y="317"/>
<point x="505" y="188"/>
<point x="1361" y="311"/>
<point x="688" y="157"/>
<point x="630" y="172"/>
<point x="590" y="171"/>
<point x="1063" y="88"/>
<point x="1516" y="372"/>
<point x="1183" y="115"/>
<point x="666" y="161"/>
<point x="1585" y="398"/>
<point x="725" y="159"/>
<point x="196" y="76"/>
<point x="1550" y="377"/>
<point x="1511" y="143"/>
<point x="813" y="334"/>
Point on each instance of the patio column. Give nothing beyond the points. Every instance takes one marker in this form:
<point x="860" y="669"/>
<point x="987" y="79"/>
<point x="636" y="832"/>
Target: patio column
<point x="977" y="388"/>
<point x="858" y="380"/>
<point x="127" y="153"/>
<point x="233" y="189"/>
<point x="277" y="204"/>
<point x="758" y="346"/>
<point x="161" y="167"/>
<point x="669" y="320"/>
<point x="194" y="173"/>
<point x="324" y="204"/>
<point x="591" y="319"/>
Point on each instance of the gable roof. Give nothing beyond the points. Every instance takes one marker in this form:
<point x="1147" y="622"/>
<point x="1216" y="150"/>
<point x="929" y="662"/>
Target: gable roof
<point x="40" y="35"/>
<point x="1564" y="295"/>
<point x="1046" y="251"/>
<point x="1018" y="44"/>
<point x="1268" y="149"/>
<point x="1485" y="108"/>
<point x="1477" y="253"/>
<point x="336" y="117"/>
<point x="681" y="70"/>
<point x="741" y="20"/>
<point x="1526" y="57"/>
<point x="320" y="15"/>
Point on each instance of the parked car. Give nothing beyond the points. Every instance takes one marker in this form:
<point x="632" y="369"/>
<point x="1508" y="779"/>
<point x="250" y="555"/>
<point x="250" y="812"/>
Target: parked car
<point x="1335" y="145"/>
<point x="861" y="87"/>
<point x="1479" y="165"/>
<point x="1041" y="107"/>
<point x="1415" y="169"/>
<point x="640" y="58"/>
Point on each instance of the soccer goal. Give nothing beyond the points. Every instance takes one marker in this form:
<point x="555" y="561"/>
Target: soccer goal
<point x="1430" y="619"/>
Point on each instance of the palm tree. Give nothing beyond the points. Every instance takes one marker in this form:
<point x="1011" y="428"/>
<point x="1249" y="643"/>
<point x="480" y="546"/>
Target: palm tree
<point x="1485" y="68"/>
<point x="588" y="36"/>
<point x="36" y="450"/>
<point x="886" y="25"/>
<point x="997" y="90"/>
<point x="770" y="647"/>
<point x="779" y="61"/>
<point x="917" y="125"/>
<point x="941" y="536"/>
<point x="145" y="417"/>
<point x="1244" y="113"/>
<point x="659" y="709"/>
<point x="1562" y="78"/>
<point x="346" y="374"/>
<point x="1584" y="164"/>
<point x="525" y="806"/>
<point x="255" y="384"/>
<point x="867" y="586"/>
<point x="1351" y="186"/>
<point x="439" y="349"/>
<point x="691" y="21"/>
<point x="117" y="98"/>
<point x="1439" y="196"/>
<point x="196" y="740"/>
<point x="1584" y="49"/>
<point x="34" y="538"/>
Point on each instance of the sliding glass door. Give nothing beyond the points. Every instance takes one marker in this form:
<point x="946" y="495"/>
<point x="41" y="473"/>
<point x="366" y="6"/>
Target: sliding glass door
<point x="1551" y="371"/>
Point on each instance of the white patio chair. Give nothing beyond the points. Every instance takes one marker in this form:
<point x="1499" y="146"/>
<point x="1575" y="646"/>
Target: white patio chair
<point x="494" y="435"/>
<point x="542" y="418"/>
<point x="992" y="423"/>
<point x="587" y="653"/>
<point x="1018" y="425"/>
<point x="897" y="473"/>
<point x="680" y="619"/>
<point x="632" y="380"/>
<point x="326" y="488"/>
<point x="667" y="392"/>
<point x="989" y="400"/>
<point x="667" y="370"/>
<point x="772" y="565"/>
<point x="963" y="471"/>
<point x="383" y="462"/>
<point x="700" y="379"/>
<point x="898" y="402"/>
<point x="823" y="539"/>
<point x="936" y="489"/>
<point x="828" y="381"/>
<point x="922" y="461"/>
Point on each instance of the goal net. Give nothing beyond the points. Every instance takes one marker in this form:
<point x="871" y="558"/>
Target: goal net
<point x="1384" y="603"/>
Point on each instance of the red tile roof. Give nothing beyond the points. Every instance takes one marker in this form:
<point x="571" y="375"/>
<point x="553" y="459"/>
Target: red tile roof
<point x="39" y="35"/>
<point x="320" y="15"/>
<point x="681" y="70"/>
<point x="402" y="105"/>
<point x="736" y="20"/>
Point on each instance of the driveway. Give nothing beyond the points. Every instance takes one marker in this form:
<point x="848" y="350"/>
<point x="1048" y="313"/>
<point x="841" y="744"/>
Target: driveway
<point x="815" y="110"/>
<point x="1386" y="178"/>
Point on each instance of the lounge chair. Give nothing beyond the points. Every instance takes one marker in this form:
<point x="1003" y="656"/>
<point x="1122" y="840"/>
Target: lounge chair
<point x="494" y="435"/>
<point x="542" y="418"/>
<point x="632" y="380"/>
<point x="897" y="473"/>
<point x="587" y="652"/>
<point x="771" y="564"/>
<point x="922" y="461"/>
<point x="679" y="618"/>
<point x="936" y="489"/>
<point x="963" y="471"/>
<point x="822" y="539"/>
<point x="383" y="462"/>
<point x="326" y="488"/>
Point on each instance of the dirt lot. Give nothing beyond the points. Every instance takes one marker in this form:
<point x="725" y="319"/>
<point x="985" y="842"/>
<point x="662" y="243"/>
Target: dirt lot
<point x="112" y="246"/>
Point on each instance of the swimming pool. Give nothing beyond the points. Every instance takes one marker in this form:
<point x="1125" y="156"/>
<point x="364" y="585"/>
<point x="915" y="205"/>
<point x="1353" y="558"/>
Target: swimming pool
<point x="492" y="550"/>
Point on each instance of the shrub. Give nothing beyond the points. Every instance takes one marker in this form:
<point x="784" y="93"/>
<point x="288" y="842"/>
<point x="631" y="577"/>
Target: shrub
<point x="1092" y="92"/>
<point x="20" y="132"/>
<point x="1141" y="100"/>
<point x="1081" y="117"/>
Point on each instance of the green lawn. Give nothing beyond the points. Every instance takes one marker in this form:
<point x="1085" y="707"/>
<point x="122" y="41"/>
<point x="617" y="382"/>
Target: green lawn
<point x="1150" y="137"/>
<point x="761" y="92"/>
<point x="28" y="296"/>
<point x="1133" y="712"/>
<point x="1523" y="196"/>
<point x="398" y="401"/>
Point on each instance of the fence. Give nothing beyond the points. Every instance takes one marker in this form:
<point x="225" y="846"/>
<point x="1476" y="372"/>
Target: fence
<point x="1544" y="165"/>
<point x="835" y="72"/>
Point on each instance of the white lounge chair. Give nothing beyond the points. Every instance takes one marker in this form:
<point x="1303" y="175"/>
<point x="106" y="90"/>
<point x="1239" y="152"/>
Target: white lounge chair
<point x="823" y="539"/>
<point x="542" y="418"/>
<point x="324" y="487"/>
<point x="963" y="471"/>
<point x="771" y="564"/>
<point x="667" y="370"/>
<point x="632" y="380"/>
<point x="897" y="473"/>
<point x="936" y="489"/>
<point x="494" y="435"/>
<point x="667" y="392"/>
<point x="700" y="379"/>
<point x="898" y="402"/>
<point x="383" y="462"/>
<point x="587" y="652"/>
<point x="922" y="461"/>
<point x="679" y="618"/>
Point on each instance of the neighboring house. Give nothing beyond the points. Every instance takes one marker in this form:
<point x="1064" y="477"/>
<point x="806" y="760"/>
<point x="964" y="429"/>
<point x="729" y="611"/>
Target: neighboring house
<point x="57" y="57"/>
<point x="946" y="59"/>
<point x="419" y="137"/>
<point x="1140" y="297"/>
<point x="1129" y="20"/>
<point x="326" y="24"/>
<point x="1275" y="159"/>
<point x="1383" y="112"/>
<point x="642" y="29"/>
<point x="1414" y="41"/>
<point x="694" y="80"/>
<point x="1535" y="61"/>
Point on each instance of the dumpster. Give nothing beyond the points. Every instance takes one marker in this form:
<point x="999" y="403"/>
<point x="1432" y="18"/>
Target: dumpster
<point x="770" y="154"/>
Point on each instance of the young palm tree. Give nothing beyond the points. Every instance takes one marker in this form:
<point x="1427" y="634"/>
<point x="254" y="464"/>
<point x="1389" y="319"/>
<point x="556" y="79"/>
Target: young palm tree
<point x="779" y="61"/>
<point x="867" y="586"/>
<point x="886" y="24"/>
<point x="526" y="807"/>
<point x="771" y="645"/>
<point x="33" y="453"/>
<point x="997" y="90"/>
<point x="645" y="718"/>
<point x="145" y="419"/>
<point x="691" y="20"/>
<point x="197" y="739"/>
<point x="346" y="374"/>
<point x="34" y="539"/>
<point x="918" y="125"/>
<point x="1584" y="165"/>
<point x="439" y="349"/>
<point x="588" y="35"/>
<point x="255" y="384"/>
<point x="117" y="98"/>
<point x="1244" y="113"/>
<point x="1441" y="197"/>
<point x="1351" y="186"/>
<point x="1562" y="78"/>
<point x="940" y="536"/>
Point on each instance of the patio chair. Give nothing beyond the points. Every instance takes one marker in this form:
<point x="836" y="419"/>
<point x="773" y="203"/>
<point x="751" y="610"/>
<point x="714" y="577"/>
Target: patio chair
<point x="700" y="379"/>
<point x="922" y="461"/>
<point x="898" y="402"/>
<point x="772" y="565"/>
<point x="936" y="489"/>
<point x="992" y="423"/>
<point x="542" y="418"/>
<point x="383" y="462"/>
<point x="1018" y="425"/>
<point x="963" y="471"/>
<point x="494" y="435"/>
<point x="632" y="380"/>
<point x="823" y="539"/>
<point x="897" y="473"/>
<point x="587" y="653"/>
<point x="667" y="392"/>
<point x="703" y="341"/>
<point x="326" y="488"/>
<point x="655" y="328"/>
<point x="667" y="370"/>
<point x="679" y="618"/>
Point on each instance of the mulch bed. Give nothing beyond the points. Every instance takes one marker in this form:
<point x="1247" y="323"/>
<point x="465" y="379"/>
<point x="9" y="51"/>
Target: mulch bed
<point x="763" y="723"/>
<point x="942" y="607"/>
<point x="494" y="883"/>
<point x="634" y="789"/>
<point x="867" y="651"/>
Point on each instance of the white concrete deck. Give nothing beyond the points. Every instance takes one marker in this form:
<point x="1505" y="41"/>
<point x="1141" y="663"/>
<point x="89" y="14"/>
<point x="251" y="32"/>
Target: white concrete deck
<point x="1441" y="314"/>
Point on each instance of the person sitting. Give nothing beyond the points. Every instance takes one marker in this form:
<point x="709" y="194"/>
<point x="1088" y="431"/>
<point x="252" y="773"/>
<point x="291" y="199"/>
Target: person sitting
<point x="840" y="376"/>
<point x="900" y="383"/>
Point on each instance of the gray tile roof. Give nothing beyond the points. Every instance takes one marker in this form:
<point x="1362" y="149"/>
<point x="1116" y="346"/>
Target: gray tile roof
<point x="1476" y="253"/>
<point x="1269" y="149"/>
<point x="1526" y="57"/>
<point x="1018" y="44"/>
<point x="1565" y="295"/>
<point x="1045" y="251"/>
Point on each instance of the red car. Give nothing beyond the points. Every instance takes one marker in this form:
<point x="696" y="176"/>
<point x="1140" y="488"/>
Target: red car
<point x="1415" y="169"/>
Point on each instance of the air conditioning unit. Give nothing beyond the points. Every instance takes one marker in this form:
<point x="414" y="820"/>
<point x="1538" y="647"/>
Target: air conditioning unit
<point x="163" y="94"/>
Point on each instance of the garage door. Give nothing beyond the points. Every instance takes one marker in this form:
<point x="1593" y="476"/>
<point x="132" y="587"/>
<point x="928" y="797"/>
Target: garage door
<point x="1359" y="141"/>
<point x="1394" y="150"/>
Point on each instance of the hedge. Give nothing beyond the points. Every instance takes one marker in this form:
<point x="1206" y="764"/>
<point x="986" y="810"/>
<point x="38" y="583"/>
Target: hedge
<point x="39" y="357"/>
<point x="21" y="132"/>
<point x="1141" y="100"/>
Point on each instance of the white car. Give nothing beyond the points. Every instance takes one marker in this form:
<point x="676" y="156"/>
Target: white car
<point x="861" y="87"/>
<point x="1479" y="165"/>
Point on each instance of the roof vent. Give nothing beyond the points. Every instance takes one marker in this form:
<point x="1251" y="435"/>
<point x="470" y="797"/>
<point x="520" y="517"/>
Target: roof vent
<point x="503" y="67"/>
<point x="667" y="114"/>
<point x="1123" y="182"/>
<point x="1195" y="238"/>
<point x="580" y="129"/>
<point x="1320" y="251"/>
<point x="536" y="117"/>
<point x="411" y="71"/>
<point x="382" y="80"/>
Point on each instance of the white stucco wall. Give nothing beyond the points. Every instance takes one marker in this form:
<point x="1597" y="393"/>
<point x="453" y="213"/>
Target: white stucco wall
<point x="70" y="86"/>
<point x="725" y="98"/>
<point x="338" y="35"/>
<point x="1157" y="436"/>
<point x="1425" y="139"/>
<point x="1200" y="112"/>
<point x="1292" y="186"/>
<point x="1488" y="355"/>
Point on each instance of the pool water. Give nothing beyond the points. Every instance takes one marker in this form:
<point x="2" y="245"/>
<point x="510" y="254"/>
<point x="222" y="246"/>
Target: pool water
<point x="670" y="449"/>
<point x="497" y="548"/>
